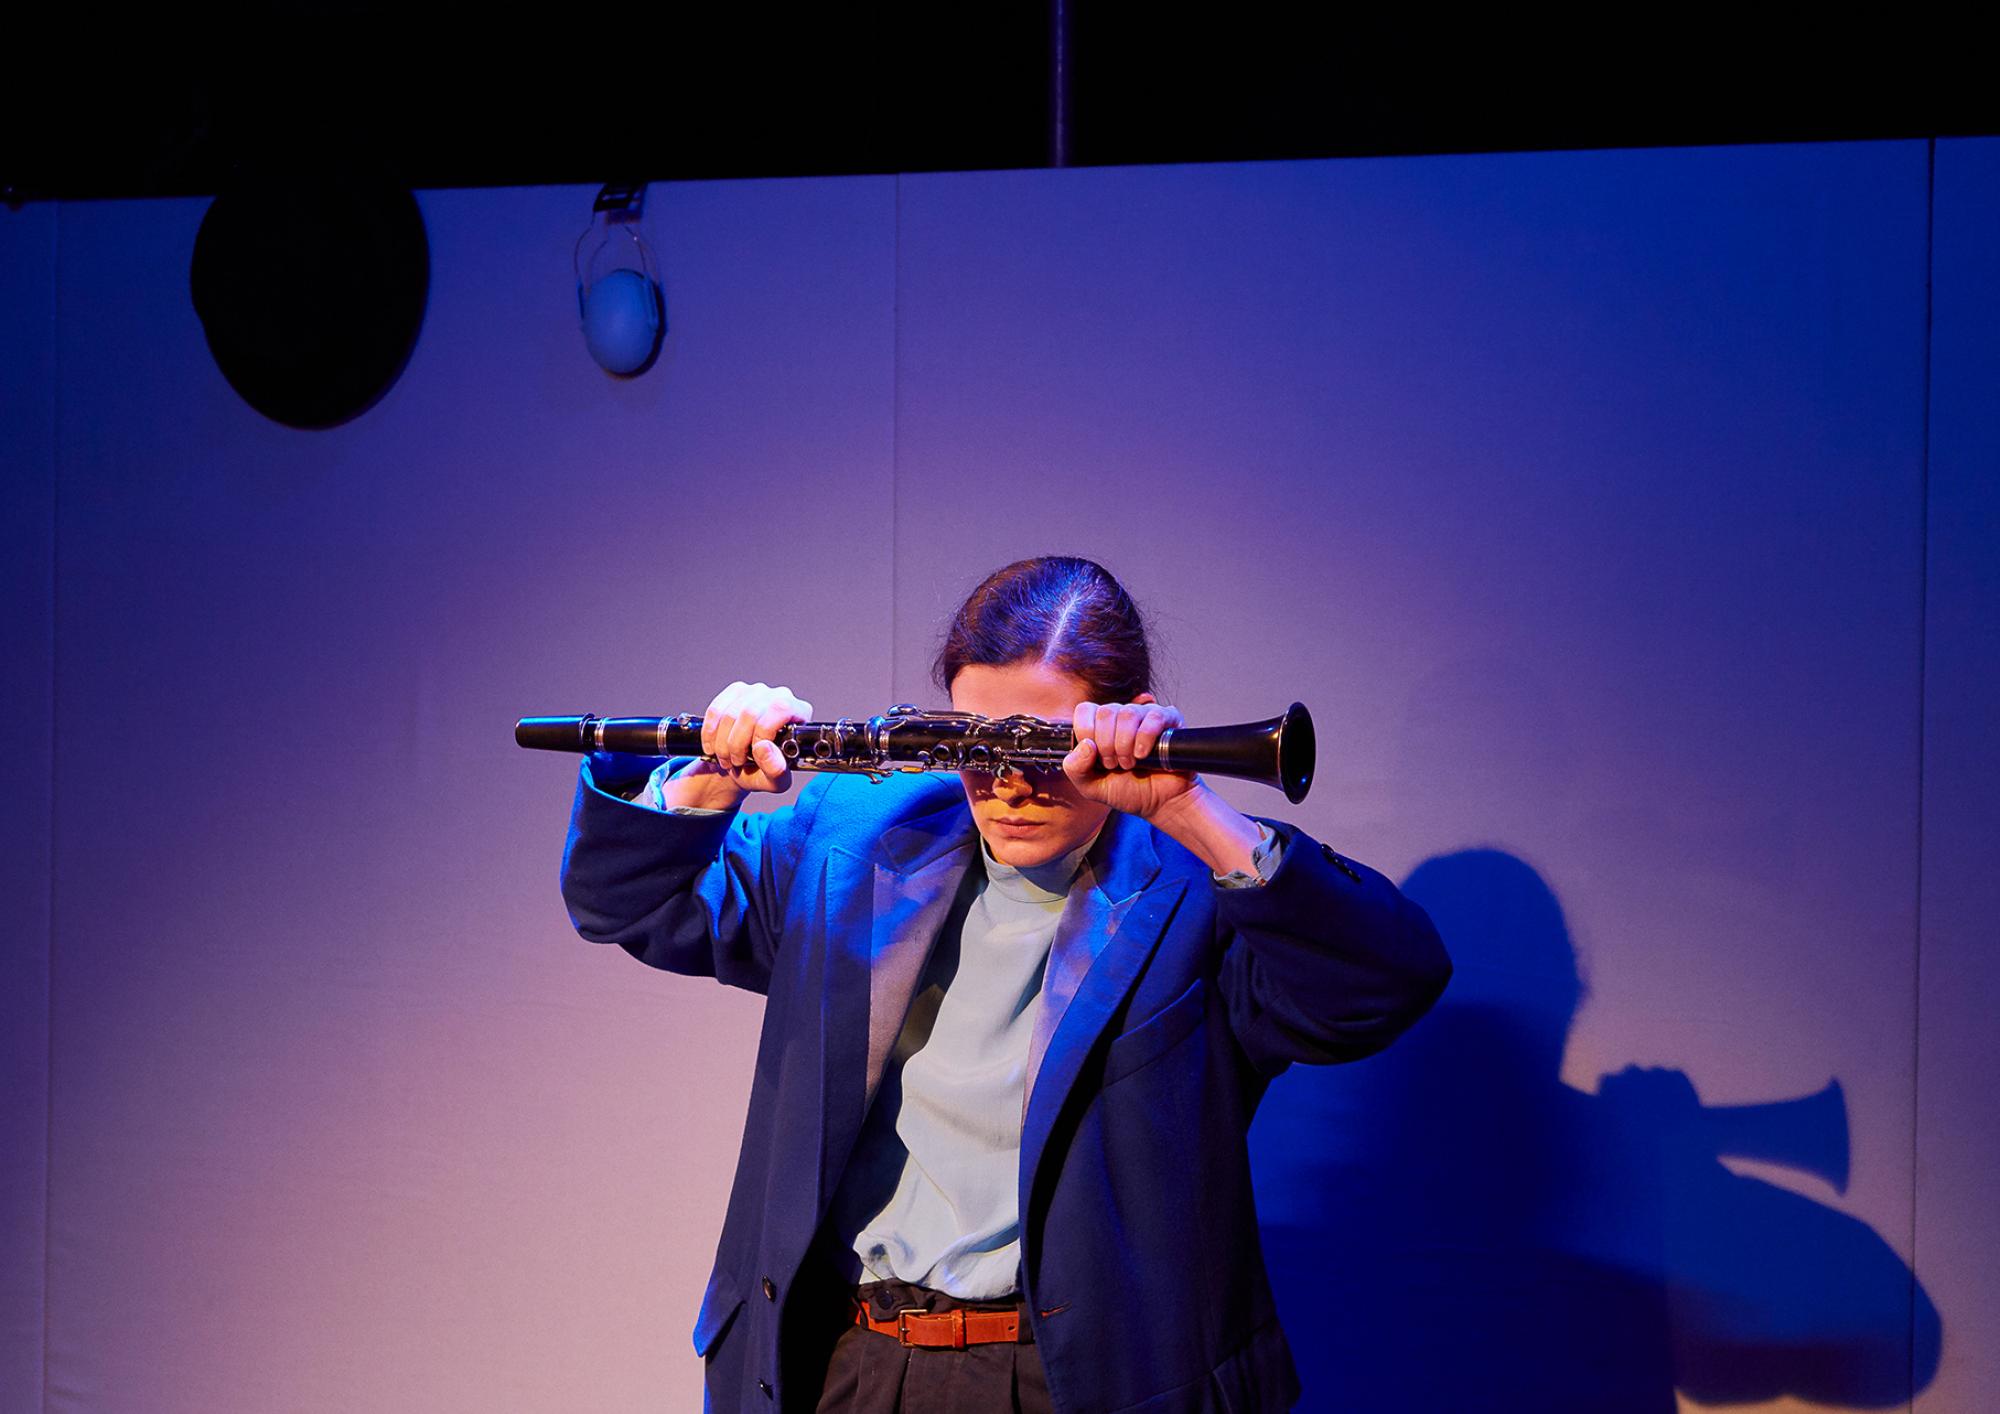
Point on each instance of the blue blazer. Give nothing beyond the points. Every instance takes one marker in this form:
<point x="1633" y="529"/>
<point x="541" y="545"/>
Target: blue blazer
<point x="1168" y="1006"/>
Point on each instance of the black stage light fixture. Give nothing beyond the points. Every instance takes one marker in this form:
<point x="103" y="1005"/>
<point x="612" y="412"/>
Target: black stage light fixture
<point x="311" y="290"/>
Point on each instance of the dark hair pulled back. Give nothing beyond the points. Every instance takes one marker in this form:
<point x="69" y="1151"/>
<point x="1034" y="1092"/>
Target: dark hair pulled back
<point x="1070" y="613"/>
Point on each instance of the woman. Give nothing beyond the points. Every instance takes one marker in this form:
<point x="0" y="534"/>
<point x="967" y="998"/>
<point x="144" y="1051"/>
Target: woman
<point x="1015" y="1033"/>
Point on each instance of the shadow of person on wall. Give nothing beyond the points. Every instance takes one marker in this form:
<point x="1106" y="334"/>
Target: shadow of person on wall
<point x="1451" y="1227"/>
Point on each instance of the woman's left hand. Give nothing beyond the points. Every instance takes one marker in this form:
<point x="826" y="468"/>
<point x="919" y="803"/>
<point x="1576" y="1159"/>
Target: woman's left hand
<point x="1112" y="738"/>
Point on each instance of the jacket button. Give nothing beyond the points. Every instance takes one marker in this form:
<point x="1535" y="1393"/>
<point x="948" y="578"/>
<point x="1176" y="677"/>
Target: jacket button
<point x="763" y="1389"/>
<point x="770" y="1290"/>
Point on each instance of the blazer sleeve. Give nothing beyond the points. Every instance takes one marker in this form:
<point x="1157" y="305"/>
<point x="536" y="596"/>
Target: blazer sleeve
<point x="696" y="894"/>
<point x="1326" y="962"/>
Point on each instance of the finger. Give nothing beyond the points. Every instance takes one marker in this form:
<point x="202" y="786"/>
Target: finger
<point x="743" y="725"/>
<point x="1105" y="735"/>
<point x="1125" y="740"/>
<point x="712" y="720"/>
<point x="1156" y="720"/>
<point x="1077" y="764"/>
<point x="1084" y="721"/>
<point x="771" y="761"/>
<point x="777" y="713"/>
<point x="725" y="724"/>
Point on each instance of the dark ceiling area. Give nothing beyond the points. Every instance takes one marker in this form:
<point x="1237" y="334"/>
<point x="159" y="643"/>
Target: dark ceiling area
<point x="95" y="108"/>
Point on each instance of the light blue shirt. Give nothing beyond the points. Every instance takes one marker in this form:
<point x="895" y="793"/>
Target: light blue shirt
<point x="931" y="1189"/>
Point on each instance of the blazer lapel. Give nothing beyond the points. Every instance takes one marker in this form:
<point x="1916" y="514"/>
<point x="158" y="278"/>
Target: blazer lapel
<point x="1112" y="922"/>
<point x="909" y="879"/>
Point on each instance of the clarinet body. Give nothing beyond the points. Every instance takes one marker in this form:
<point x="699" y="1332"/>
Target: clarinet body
<point x="1279" y="752"/>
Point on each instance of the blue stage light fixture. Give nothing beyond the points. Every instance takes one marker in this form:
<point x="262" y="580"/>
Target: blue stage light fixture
<point x="617" y="285"/>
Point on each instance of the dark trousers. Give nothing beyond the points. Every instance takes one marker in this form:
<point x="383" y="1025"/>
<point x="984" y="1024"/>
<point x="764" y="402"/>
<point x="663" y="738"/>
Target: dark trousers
<point x="872" y="1373"/>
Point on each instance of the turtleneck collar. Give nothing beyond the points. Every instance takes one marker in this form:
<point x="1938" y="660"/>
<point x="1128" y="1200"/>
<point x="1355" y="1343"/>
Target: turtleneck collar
<point x="1037" y="883"/>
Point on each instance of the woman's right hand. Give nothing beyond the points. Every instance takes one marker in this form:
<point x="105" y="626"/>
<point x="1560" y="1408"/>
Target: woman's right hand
<point x="737" y="734"/>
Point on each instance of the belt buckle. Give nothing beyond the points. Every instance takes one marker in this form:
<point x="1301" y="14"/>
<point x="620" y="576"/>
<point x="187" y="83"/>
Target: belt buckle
<point x="957" y="1315"/>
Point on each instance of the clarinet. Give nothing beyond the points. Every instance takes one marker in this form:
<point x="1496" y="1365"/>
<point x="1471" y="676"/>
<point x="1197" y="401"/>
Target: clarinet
<point x="1278" y="752"/>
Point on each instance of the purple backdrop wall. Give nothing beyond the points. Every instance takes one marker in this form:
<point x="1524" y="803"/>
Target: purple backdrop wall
<point x="1583" y="497"/>
<point x="27" y="577"/>
<point x="1958" y="1139"/>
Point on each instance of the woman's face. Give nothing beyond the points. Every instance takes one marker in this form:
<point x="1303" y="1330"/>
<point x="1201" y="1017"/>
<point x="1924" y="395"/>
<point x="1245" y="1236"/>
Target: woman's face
<point x="1029" y="817"/>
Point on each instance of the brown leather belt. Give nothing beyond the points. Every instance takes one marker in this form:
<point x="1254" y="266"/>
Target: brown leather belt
<point x="944" y="1330"/>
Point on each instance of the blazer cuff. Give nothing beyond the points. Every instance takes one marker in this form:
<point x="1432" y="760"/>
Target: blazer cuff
<point x="636" y="780"/>
<point x="602" y="814"/>
<point x="1265" y="857"/>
